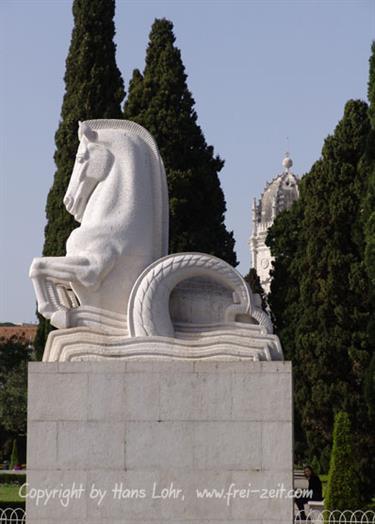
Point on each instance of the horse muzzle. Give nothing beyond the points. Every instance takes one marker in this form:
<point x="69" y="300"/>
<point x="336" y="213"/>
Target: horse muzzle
<point x="75" y="206"/>
<point x="68" y="203"/>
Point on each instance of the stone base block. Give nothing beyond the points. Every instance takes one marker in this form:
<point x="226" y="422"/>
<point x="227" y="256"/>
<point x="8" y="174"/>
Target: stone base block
<point x="143" y="441"/>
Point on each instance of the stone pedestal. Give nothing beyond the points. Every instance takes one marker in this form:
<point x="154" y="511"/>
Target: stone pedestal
<point x="140" y="441"/>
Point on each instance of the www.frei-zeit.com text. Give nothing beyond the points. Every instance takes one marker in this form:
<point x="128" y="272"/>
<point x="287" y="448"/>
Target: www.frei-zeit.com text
<point x="121" y="492"/>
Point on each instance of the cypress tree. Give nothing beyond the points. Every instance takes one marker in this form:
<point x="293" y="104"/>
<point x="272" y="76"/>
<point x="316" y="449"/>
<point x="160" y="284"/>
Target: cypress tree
<point x="93" y="89"/>
<point x="368" y="168"/>
<point x="369" y="230"/>
<point x="284" y="241"/>
<point x="14" y="455"/>
<point x="252" y="278"/>
<point x="342" y="491"/>
<point x="332" y="346"/>
<point x="319" y="294"/>
<point x="371" y="86"/>
<point x="370" y="245"/>
<point x="369" y="389"/>
<point x="160" y="100"/>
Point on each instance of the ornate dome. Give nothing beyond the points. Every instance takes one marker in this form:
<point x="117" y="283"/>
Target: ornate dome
<point x="279" y="194"/>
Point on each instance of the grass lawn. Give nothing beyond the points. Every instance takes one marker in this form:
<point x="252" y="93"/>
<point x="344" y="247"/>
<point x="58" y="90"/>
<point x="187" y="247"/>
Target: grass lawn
<point x="9" y="493"/>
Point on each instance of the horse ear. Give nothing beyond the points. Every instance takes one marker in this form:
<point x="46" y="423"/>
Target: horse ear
<point x="85" y="131"/>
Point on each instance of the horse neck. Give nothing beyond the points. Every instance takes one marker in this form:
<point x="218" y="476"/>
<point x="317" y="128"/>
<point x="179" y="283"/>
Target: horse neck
<point x="123" y="205"/>
<point x="108" y="194"/>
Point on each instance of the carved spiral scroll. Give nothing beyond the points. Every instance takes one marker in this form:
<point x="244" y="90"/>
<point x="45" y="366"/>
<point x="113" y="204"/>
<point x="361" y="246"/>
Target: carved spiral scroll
<point x="262" y="318"/>
<point x="148" y="309"/>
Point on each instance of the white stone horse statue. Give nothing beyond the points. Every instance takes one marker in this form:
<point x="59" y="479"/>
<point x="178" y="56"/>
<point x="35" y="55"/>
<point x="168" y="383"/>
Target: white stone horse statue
<point x="118" y="193"/>
<point x="116" y="284"/>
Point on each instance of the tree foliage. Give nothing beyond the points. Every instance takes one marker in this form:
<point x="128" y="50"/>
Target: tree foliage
<point x="93" y="89"/>
<point x="283" y="240"/>
<point x="160" y="100"/>
<point x="369" y="389"/>
<point x="13" y="400"/>
<point x="14" y="460"/>
<point x="368" y="169"/>
<point x="14" y="357"/>
<point x="319" y="294"/>
<point x="252" y="278"/>
<point x="342" y="491"/>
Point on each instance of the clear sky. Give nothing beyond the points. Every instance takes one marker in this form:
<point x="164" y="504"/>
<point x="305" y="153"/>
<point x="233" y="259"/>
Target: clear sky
<point x="260" y="71"/>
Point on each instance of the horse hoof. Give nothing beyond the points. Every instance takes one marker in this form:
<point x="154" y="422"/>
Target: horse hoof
<point x="36" y="267"/>
<point x="60" y="319"/>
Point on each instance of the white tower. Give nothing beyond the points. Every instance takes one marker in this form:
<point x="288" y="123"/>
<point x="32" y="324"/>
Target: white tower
<point x="278" y="195"/>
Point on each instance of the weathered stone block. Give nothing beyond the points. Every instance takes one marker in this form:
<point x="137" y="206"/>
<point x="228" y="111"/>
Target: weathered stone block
<point x="161" y="425"/>
<point x="142" y="399"/>
<point x="196" y="396"/>
<point x="248" y="405"/>
<point x="227" y="445"/>
<point x="277" y="436"/>
<point x="106" y="396"/>
<point x="42" y="445"/>
<point x="90" y="445"/>
<point x="159" y="445"/>
<point x="58" y="396"/>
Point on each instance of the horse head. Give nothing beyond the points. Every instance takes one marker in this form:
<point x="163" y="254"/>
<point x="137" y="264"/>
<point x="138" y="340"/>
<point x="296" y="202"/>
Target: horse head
<point x="92" y="165"/>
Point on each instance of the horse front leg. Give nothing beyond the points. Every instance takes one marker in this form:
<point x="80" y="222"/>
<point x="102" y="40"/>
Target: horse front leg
<point x="47" y="271"/>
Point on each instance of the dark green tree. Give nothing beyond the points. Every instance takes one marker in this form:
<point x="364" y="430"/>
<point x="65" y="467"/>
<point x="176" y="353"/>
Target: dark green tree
<point x="14" y="461"/>
<point x="369" y="228"/>
<point x="370" y="247"/>
<point x="284" y="241"/>
<point x="93" y="89"/>
<point x="14" y="357"/>
<point x="332" y="345"/>
<point x="369" y="389"/>
<point x="371" y="86"/>
<point x="13" y="352"/>
<point x="342" y="491"/>
<point x="252" y="278"/>
<point x="368" y="169"/>
<point x="319" y="295"/>
<point x="13" y="400"/>
<point x="160" y="101"/>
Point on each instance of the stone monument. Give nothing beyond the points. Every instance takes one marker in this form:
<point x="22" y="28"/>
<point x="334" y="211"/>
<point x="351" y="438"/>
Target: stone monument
<point x="163" y="395"/>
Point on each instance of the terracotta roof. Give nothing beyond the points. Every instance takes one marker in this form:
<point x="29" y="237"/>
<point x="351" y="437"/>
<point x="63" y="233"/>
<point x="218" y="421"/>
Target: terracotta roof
<point x="26" y="332"/>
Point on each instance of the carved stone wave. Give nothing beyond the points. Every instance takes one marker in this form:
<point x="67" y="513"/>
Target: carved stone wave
<point x="228" y="342"/>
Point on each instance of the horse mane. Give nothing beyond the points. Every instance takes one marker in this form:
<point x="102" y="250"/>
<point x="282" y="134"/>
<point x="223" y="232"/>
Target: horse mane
<point x="127" y="125"/>
<point x="160" y="184"/>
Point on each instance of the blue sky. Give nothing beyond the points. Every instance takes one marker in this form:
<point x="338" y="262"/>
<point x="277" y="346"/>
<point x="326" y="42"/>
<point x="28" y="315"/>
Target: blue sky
<point x="260" y="71"/>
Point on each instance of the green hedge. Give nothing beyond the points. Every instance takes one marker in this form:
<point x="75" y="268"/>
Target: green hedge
<point x="12" y="478"/>
<point x="342" y="491"/>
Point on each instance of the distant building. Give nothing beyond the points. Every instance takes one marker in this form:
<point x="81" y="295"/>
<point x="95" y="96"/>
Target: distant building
<point x="21" y="332"/>
<point x="279" y="194"/>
